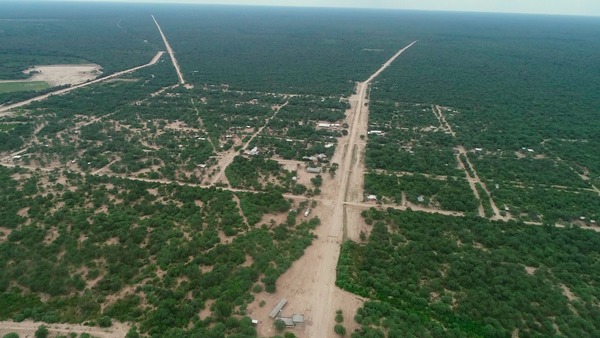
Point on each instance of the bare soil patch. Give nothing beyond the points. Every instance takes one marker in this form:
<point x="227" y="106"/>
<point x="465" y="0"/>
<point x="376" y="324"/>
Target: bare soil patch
<point x="58" y="75"/>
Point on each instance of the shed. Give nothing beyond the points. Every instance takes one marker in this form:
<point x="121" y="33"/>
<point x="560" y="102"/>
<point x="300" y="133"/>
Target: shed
<point x="297" y="319"/>
<point x="313" y="170"/>
<point x="278" y="308"/>
<point x="372" y="197"/>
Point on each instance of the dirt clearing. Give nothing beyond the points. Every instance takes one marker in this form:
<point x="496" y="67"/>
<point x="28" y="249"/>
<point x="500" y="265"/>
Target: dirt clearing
<point x="58" y="75"/>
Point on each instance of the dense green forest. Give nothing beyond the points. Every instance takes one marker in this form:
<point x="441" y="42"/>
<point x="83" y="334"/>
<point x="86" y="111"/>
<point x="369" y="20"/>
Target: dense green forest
<point x="277" y="50"/>
<point x="106" y="249"/>
<point x="437" y="276"/>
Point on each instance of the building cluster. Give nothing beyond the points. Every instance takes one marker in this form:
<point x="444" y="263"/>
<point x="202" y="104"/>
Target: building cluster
<point x="292" y="321"/>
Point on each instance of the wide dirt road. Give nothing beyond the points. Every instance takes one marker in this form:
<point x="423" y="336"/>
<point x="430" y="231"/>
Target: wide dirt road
<point x="309" y="285"/>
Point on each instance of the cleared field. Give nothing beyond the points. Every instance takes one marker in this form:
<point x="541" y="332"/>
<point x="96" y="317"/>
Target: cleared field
<point x="21" y="86"/>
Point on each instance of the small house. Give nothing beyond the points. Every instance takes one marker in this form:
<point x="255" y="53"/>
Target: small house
<point x="313" y="170"/>
<point x="298" y="319"/>
<point x="252" y="152"/>
<point x="288" y="321"/>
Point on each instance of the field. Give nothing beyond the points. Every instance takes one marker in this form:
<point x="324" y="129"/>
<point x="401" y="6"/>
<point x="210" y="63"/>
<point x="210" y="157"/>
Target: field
<point x="10" y="87"/>
<point x="390" y="174"/>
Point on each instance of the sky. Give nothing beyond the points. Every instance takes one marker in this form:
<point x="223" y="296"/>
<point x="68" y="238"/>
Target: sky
<point x="561" y="7"/>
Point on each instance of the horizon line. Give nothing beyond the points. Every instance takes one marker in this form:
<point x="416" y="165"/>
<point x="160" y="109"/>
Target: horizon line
<point x="183" y="2"/>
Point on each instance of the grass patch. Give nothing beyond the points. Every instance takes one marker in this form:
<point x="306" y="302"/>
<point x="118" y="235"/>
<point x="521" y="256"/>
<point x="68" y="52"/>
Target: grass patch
<point x="10" y="87"/>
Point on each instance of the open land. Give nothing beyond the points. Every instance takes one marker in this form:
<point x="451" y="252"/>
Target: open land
<point x="189" y="195"/>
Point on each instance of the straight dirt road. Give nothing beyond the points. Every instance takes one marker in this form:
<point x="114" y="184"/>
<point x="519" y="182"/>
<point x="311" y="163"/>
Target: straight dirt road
<point x="309" y="285"/>
<point x="5" y="109"/>
<point x="170" y="51"/>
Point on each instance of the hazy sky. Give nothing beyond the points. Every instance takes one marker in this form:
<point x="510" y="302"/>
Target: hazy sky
<point x="567" y="7"/>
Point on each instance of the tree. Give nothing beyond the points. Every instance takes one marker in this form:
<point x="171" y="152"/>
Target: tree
<point x="41" y="332"/>
<point x="132" y="333"/>
<point x="11" y="335"/>
<point x="279" y="325"/>
<point x="317" y="181"/>
<point x="340" y="329"/>
<point x="105" y="322"/>
<point x="339" y="317"/>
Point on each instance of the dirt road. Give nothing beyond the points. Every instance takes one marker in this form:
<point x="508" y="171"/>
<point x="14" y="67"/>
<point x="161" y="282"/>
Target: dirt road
<point x="27" y="328"/>
<point x="309" y="285"/>
<point x="4" y="110"/>
<point x="170" y="51"/>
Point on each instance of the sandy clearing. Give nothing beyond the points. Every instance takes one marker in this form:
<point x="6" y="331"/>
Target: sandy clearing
<point x="58" y="75"/>
<point x="530" y="270"/>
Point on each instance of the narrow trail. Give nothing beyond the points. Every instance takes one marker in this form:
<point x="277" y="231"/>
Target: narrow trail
<point x="475" y="179"/>
<point x="228" y="157"/>
<point x="5" y="110"/>
<point x="437" y="110"/>
<point x="400" y="173"/>
<point x="202" y="124"/>
<point x="98" y="171"/>
<point x="170" y="51"/>
<point x="472" y="183"/>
